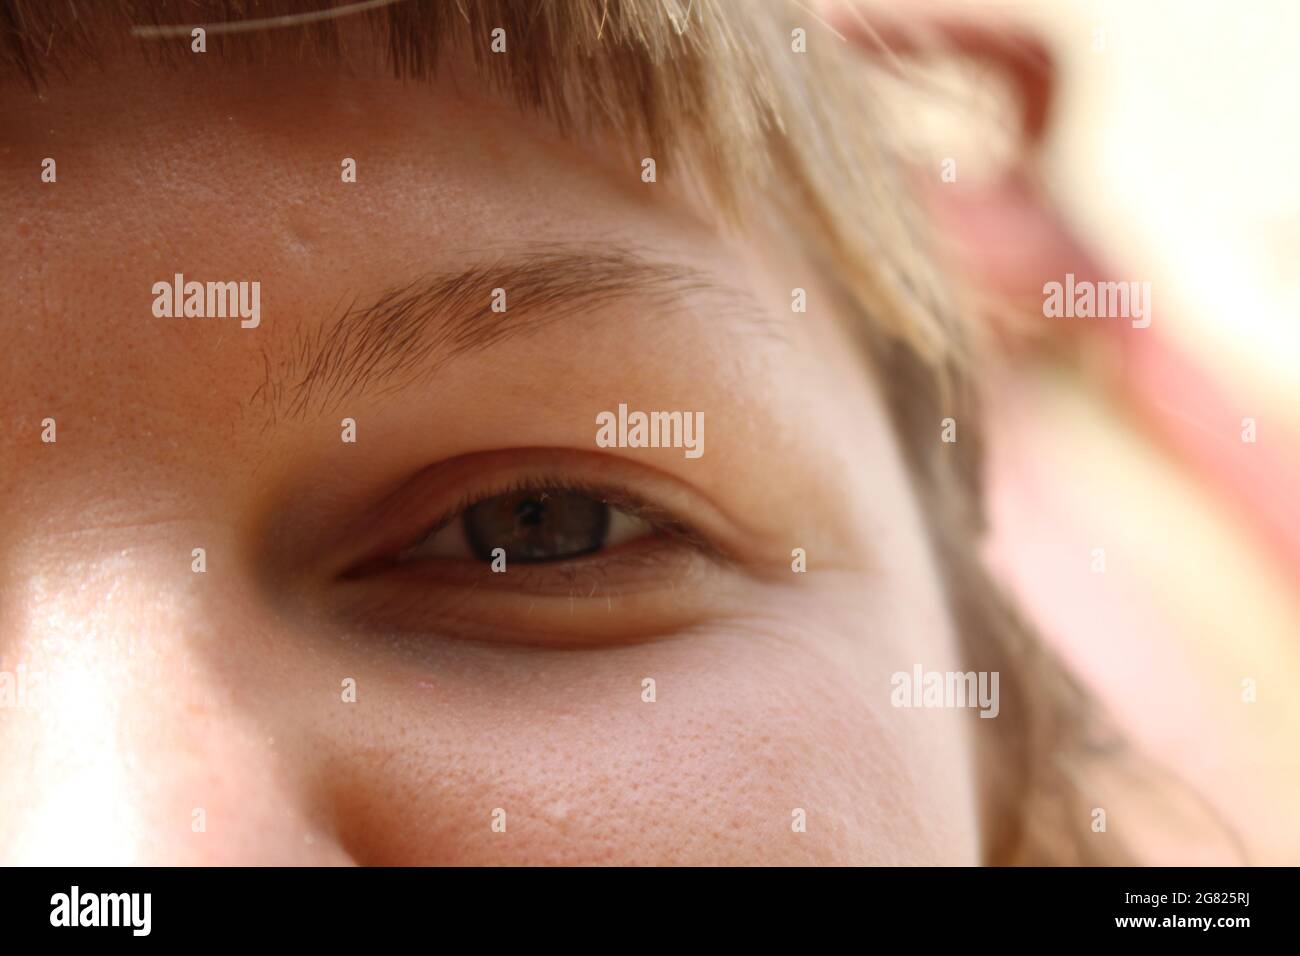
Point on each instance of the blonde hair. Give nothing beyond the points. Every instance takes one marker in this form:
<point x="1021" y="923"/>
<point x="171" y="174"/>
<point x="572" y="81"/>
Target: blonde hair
<point x="714" y="90"/>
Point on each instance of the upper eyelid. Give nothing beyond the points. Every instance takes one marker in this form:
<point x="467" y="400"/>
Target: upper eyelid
<point x="606" y="495"/>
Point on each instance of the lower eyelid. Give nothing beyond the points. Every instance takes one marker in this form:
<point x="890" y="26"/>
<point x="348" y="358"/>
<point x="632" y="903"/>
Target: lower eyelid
<point x="634" y="594"/>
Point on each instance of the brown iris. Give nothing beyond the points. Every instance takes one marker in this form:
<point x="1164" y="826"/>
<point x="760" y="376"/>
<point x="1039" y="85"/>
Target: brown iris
<point x="536" y="525"/>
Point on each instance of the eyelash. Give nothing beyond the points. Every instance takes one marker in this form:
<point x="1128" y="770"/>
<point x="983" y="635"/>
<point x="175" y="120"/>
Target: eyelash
<point x="664" y="525"/>
<point x="665" y="579"/>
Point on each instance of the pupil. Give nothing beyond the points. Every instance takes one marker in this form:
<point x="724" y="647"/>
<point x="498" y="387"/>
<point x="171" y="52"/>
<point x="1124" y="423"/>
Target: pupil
<point x="530" y="512"/>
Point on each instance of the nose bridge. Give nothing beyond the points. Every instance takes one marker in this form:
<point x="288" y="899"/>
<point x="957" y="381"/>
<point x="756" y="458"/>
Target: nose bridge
<point x="127" y="747"/>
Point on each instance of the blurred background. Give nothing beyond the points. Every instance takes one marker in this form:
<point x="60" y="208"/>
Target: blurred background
<point x="1153" y="142"/>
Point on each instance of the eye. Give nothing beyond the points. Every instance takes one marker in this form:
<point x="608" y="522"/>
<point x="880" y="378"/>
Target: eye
<point x="597" y="550"/>
<point x="531" y="526"/>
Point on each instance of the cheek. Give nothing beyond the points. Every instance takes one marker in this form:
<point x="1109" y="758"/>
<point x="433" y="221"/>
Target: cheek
<point x="750" y="723"/>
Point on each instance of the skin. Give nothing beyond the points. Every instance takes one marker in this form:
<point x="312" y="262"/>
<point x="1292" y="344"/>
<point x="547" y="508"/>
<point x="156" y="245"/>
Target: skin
<point x="221" y="691"/>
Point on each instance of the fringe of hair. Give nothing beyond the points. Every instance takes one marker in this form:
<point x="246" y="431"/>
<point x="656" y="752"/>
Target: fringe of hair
<point x="714" y="90"/>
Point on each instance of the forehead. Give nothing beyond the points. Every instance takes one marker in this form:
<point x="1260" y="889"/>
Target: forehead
<point x="243" y="168"/>
<point x="234" y="173"/>
<point x="735" y="121"/>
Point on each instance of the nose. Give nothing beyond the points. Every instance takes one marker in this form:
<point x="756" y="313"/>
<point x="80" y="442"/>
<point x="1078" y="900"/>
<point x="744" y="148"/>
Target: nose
<point x="124" y="739"/>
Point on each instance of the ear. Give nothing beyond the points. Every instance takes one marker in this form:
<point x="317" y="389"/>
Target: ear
<point x="1005" y="233"/>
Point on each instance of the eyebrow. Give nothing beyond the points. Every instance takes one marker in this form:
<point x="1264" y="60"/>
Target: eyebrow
<point x="408" y="332"/>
